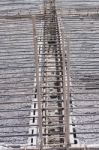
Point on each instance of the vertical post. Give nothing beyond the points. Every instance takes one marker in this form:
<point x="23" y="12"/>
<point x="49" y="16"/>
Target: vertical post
<point x="66" y="91"/>
<point x="38" y="83"/>
<point x="68" y="88"/>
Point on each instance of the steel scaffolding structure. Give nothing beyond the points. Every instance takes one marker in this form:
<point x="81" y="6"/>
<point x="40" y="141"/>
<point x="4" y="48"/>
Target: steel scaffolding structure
<point x="53" y="84"/>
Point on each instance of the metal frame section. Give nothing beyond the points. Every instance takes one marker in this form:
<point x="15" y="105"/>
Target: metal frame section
<point x="53" y="70"/>
<point x="20" y="16"/>
<point x="49" y="92"/>
<point x="59" y="80"/>
<point x="38" y="83"/>
<point x="72" y="148"/>
<point x="81" y="31"/>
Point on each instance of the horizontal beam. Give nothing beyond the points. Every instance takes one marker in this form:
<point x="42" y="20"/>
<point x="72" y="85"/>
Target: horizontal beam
<point x="19" y="16"/>
<point x="72" y="148"/>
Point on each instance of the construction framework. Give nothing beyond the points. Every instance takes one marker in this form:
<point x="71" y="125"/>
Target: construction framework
<point x="50" y="120"/>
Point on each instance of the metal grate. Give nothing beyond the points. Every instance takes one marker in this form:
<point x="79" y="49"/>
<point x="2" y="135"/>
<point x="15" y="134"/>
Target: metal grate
<point x="16" y="79"/>
<point x="48" y="70"/>
<point x="33" y="87"/>
<point x="80" y="25"/>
